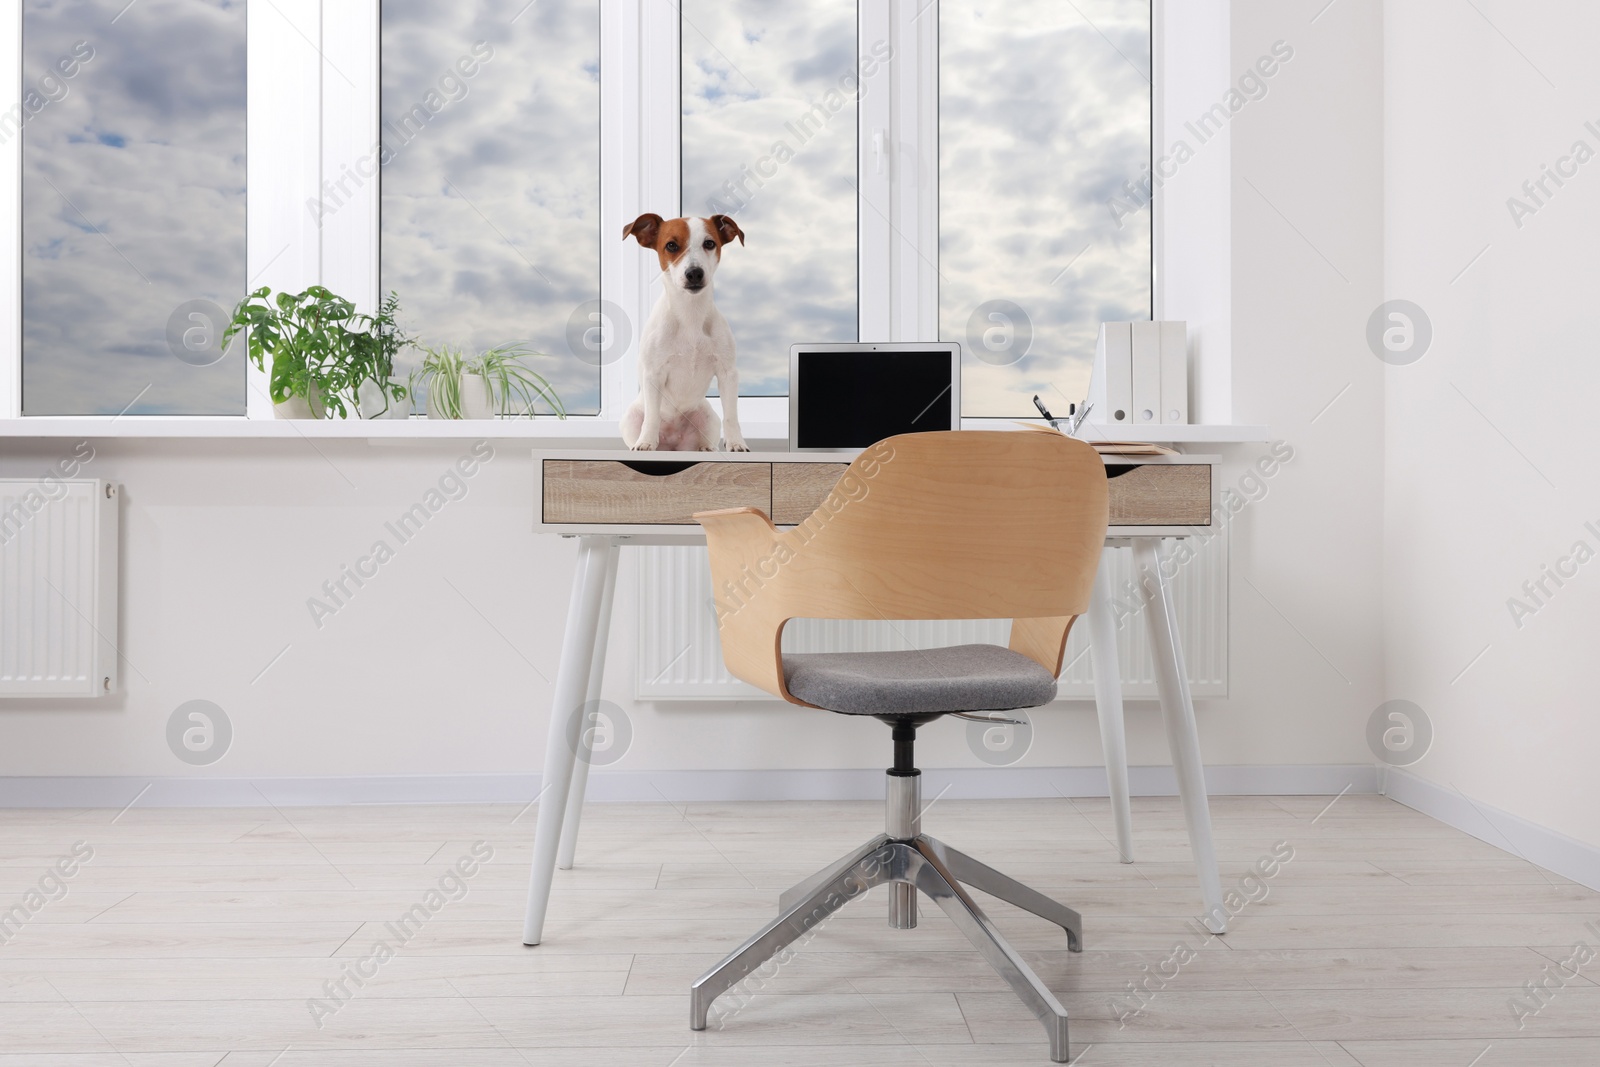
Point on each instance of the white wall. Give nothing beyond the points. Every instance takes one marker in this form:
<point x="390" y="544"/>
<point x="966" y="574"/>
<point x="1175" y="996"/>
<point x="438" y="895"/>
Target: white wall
<point x="224" y="543"/>
<point x="1489" y="474"/>
<point x="1307" y="261"/>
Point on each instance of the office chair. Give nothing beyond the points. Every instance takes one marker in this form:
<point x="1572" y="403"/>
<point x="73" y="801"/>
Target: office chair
<point x="951" y="525"/>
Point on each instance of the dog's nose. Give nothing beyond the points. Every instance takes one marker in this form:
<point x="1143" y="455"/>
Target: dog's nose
<point x="695" y="276"/>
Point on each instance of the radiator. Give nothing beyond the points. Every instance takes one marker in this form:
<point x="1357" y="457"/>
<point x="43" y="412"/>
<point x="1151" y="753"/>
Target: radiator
<point x="58" y="588"/>
<point x="680" y="657"/>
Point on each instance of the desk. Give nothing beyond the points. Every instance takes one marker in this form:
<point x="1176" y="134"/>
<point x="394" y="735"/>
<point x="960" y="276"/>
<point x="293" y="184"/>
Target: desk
<point x="610" y="498"/>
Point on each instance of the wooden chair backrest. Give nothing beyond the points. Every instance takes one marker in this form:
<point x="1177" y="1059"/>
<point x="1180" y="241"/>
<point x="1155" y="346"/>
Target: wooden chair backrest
<point x="949" y="525"/>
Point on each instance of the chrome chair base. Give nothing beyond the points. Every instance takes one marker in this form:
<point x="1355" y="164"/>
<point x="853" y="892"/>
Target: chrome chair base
<point x="939" y="871"/>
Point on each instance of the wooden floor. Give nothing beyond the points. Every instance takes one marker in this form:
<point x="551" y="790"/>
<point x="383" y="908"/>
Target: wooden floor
<point x="203" y="937"/>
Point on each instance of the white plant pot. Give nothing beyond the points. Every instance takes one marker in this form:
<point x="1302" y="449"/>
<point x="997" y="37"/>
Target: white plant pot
<point x="309" y="406"/>
<point x="477" y="398"/>
<point x="376" y="404"/>
<point x="296" y="407"/>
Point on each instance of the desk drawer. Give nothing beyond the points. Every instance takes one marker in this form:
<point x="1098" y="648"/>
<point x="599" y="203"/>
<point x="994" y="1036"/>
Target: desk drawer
<point x="798" y="489"/>
<point x="649" y="492"/>
<point x="1144" y="494"/>
<point x="1160" y="494"/>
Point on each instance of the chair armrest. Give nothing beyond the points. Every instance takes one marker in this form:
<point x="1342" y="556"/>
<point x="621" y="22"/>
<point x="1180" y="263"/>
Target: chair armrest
<point x="744" y="584"/>
<point x="735" y="521"/>
<point x="738" y="539"/>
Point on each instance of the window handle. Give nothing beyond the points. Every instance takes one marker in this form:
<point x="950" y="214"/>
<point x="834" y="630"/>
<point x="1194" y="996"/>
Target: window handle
<point x="880" y="152"/>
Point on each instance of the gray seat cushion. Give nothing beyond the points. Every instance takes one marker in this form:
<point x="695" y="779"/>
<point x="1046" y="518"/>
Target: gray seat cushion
<point x="957" y="678"/>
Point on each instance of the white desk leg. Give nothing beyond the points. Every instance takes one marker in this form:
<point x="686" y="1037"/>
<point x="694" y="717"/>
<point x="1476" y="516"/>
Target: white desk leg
<point x="572" y="683"/>
<point x="1182" y="737"/>
<point x="1108" y="702"/>
<point x="597" y="670"/>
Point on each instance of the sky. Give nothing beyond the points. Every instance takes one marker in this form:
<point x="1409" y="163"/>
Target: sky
<point x="752" y="71"/>
<point x="134" y="181"/>
<point x="1044" y="113"/>
<point x="133" y="203"/>
<point x="490" y="211"/>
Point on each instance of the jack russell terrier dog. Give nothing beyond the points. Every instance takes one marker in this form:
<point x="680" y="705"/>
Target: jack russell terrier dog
<point x="685" y="344"/>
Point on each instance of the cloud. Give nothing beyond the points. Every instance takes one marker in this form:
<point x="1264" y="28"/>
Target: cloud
<point x="490" y="214"/>
<point x="752" y="71"/>
<point x="1041" y="119"/>
<point x="133" y="202"/>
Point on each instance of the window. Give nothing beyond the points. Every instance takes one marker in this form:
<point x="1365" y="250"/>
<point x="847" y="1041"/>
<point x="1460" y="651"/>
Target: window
<point x="133" y="206"/>
<point x="1044" y="114"/>
<point x="491" y="178"/>
<point x="769" y="136"/>
<point x="954" y="169"/>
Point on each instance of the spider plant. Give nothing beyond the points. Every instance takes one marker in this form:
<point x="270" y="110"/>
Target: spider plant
<point x="443" y="367"/>
<point x="510" y="388"/>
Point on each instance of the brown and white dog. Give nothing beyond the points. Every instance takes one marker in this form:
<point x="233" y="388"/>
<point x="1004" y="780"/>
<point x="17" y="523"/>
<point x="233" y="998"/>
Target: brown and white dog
<point x="685" y="344"/>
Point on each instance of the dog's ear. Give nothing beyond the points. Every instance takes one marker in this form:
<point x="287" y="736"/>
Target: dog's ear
<point x="644" y="229"/>
<point x="727" y="229"/>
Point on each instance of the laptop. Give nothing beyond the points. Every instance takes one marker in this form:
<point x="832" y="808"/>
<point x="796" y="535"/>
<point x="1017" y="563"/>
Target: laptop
<point x="847" y="397"/>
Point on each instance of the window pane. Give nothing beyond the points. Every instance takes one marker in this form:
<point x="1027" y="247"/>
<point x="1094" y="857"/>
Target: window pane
<point x="133" y="206"/>
<point x="491" y="177"/>
<point x="769" y="137"/>
<point x="1044" y="113"/>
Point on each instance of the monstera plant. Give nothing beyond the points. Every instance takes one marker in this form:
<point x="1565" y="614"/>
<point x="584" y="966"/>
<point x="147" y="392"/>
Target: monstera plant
<point x="322" y="350"/>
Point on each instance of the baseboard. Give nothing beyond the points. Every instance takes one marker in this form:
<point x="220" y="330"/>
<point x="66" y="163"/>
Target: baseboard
<point x="1529" y="841"/>
<point x="986" y="783"/>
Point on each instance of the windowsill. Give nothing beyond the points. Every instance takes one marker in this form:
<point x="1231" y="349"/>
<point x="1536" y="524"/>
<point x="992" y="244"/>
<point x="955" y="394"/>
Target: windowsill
<point x="1177" y="435"/>
<point x="575" y="430"/>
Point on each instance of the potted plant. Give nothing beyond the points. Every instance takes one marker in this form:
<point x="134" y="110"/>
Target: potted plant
<point x="379" y="394"/>
<point x="443" y="368"/>
<point x="307" y="336"/>
<point x="323" y="351"/>
<point x="495" y="382"/>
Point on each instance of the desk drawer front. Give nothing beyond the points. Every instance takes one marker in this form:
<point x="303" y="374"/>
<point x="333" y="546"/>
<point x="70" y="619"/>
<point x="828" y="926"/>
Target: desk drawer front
<point x="611" y="492"/>
<point x="1161" y="494"/>
<point x="798" y="489"/>
<point x="1148" y="494"/>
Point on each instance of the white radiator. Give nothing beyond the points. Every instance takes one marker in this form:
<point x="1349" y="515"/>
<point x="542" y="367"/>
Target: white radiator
<point x="680" y="657"/>
<point x="58" y="588"/>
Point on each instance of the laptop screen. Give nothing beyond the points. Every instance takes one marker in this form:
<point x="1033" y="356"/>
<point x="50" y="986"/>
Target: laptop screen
<point x="855" y="398"/>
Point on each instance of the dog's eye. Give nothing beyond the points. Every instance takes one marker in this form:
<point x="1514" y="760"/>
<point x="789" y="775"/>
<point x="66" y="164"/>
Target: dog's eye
<point x="709" y="245"/>
<point x="672" y="246"/>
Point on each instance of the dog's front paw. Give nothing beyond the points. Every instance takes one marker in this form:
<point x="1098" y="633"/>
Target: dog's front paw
<point x="645" y="446"/>
<point x="735" y="444"/>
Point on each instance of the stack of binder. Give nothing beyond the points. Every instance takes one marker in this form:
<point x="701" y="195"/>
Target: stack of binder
<point x="1141" y="374"/>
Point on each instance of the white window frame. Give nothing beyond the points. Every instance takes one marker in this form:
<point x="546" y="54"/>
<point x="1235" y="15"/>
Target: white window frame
<point x="313" y="113"/>
<point x="636" y="165"/>
<point x="899" y="173"/>
<point x="285" y="116"/>
<point x="1191" y="55"/>
<point x="11" y="210"/>
<point x="640" y="166"/>
<point x="1191" y="228"/>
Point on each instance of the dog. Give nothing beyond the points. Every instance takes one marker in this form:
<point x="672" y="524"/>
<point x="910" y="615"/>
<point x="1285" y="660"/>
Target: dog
<point x="686" y="343"/>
